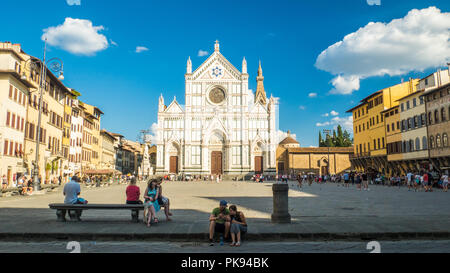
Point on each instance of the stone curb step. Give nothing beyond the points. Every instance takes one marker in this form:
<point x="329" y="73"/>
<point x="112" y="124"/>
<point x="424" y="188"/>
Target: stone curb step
<point x="381" y="236"/>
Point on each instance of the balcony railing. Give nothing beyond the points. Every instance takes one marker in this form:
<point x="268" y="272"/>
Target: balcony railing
<point x="359" y="155"/>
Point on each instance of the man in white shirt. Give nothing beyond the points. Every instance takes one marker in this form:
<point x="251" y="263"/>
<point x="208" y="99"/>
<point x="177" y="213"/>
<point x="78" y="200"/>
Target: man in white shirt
<point x="409" y="175"/>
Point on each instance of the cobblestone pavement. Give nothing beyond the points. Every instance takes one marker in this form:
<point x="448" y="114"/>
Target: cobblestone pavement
<point x="247" y="247"/>
<point x="325" y="209"/>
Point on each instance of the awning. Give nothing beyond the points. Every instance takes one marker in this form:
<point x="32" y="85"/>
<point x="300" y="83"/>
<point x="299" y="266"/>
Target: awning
<point x="101" y="172"/>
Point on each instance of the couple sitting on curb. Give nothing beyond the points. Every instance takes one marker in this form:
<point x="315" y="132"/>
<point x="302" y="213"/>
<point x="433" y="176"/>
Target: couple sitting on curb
<point x="153" y="197"/>
<point x="224" y="220"/>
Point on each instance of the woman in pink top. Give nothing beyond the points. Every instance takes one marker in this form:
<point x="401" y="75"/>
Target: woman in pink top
<point x="133" y="193"/>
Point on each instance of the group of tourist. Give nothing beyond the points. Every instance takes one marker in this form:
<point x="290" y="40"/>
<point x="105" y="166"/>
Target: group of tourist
<point x="417" y="181"/>
<point x="23" y="184"/>
<point x="153" y="200"/>
<point x="228" y="221"/>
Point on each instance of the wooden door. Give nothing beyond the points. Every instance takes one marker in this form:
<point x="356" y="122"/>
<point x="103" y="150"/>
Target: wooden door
<point x="324" y="170"/>
<point x="173" y="164"/>
<point x="8" y="177"/>
<point x="280" y="167"/>
<point x="216" y="163"/>
<point x="258" y="164"/>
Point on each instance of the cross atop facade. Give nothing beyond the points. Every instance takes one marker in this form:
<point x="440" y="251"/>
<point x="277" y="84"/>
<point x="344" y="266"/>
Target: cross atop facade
<point x="216" y="46"/>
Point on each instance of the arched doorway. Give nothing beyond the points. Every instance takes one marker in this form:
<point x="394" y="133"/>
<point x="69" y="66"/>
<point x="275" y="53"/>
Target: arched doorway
<point x="323" y="165"/>
<point x="217" y="152"/>
<point x="258" y="158"/>
<point x="173" y="153"/>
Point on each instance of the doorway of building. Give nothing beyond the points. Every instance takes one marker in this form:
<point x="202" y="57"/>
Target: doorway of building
<point x="173" y="164"/>
<point x="258" y="164"/>
<point x="216" y="163"/>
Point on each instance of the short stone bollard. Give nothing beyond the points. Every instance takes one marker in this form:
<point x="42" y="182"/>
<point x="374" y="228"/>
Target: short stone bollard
<point x="280" y="213"/>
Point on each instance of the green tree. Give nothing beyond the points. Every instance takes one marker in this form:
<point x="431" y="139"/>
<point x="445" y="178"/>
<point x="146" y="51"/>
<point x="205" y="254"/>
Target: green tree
<point x="340" y="137"/>
<point x="329" y="141"/>
<point x="321" y="143"/>
<point x="334" y="139"/>
<point x="348" y="141"/>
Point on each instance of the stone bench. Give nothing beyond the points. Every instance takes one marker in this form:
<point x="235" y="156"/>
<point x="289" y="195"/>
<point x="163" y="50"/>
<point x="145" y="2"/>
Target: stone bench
<point x="76" y="209"/>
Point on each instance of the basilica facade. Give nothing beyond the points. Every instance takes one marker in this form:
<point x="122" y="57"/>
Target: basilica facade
<point x="222" y="128"/>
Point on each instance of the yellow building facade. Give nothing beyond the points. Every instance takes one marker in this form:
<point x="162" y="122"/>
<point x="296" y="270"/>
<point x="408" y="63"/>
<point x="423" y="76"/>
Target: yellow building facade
<point x="369" y="125"/>
<point x="393" y="137"/>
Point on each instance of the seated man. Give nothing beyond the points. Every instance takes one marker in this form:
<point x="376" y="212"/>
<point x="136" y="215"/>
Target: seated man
<point x="219" y="221"/>
<point x="71" y="192"/>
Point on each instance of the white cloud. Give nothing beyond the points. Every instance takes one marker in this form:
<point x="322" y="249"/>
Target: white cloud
<point x="345" y="85"/>
<point x="113" y="43"/>
<point x="374" y="2"/>
<point x="319" y="124"/>
<point x="312" y="95"/>
<point x="415" y="42"/>
<point x="152" y="135"/>
<point x="346" y="123"/>
<point x="76" y="36"/>
<point x="140" y="49"/>
<point x="333" y="113"/>
<point x="301" y="107"/>
<point x="282" y="135"/>
<point x="73" y="2"/>
<point x="202" y="53"/>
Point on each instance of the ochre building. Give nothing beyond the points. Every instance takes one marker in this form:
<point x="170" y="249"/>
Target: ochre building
<point x="293" y="159"/>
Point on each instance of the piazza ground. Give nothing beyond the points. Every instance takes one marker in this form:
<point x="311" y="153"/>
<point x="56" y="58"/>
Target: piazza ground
<point x="322" y="212"/>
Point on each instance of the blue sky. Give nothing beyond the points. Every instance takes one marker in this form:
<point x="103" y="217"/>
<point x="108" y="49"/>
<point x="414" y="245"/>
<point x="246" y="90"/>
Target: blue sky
<point x="288" y="36"/>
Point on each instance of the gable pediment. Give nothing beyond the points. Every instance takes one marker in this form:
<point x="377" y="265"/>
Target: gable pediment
<point x="217" y="124"/>
<point x="258" y="108"/>
<point x="216" y="59"/>
<point x="174" y="107"/>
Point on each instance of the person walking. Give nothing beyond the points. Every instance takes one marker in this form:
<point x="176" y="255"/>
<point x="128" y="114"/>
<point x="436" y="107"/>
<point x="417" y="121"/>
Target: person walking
<point x="409" y="180"/>
<point x="346" y="179"/>
<point x="299" y="179"/>
<point x="4" y="182"/>
<point x="425" y="181"/>
<point x="445" y="182"/>
<point x="358" y="181"/>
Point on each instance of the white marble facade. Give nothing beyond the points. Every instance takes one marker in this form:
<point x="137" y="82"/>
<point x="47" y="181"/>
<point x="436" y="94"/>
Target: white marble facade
<point x="221" y="116"/>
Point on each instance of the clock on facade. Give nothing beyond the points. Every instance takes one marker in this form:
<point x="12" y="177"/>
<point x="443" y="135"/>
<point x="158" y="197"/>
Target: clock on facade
<point x="217" y="95"/>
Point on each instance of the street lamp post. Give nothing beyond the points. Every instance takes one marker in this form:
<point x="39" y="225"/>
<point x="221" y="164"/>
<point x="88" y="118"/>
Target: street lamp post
<point x="328" y="132"/>
<point x="56" y="65"/>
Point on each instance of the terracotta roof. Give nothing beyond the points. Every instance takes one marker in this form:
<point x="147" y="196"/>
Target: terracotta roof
<point x="321" y="150"/>
<point x="108" y="133"/>
<point x="289" y="140"/>
<point x="357" y="106"/>
<point x="116" y="134"/>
